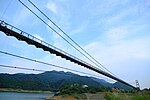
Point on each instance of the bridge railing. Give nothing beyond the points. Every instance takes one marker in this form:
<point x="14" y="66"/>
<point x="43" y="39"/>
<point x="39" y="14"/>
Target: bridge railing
<point x="42" y="42"/>
<point x="19" y="34"/>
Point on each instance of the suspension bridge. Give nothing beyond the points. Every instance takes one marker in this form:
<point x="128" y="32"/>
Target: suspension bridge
<point x="11" y="30"/>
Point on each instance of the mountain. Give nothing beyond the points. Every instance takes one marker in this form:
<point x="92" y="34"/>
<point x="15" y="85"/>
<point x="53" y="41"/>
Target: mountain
<point x="122" y="86"/>
<point x="102" y="82"/>
<point x="49" y="80"/>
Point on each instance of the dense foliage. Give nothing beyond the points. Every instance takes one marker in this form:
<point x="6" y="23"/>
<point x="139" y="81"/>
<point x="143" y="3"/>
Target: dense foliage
<point x="52" y="80"/>
<point x="127" y="96"/>
<point x="78" y="89"/>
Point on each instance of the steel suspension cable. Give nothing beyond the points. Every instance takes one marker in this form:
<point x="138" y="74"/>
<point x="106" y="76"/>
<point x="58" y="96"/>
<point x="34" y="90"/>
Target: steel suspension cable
<point x="69" y="37"/>
<point x="8" y="66"/>
<point x="101" y="66"/>
<point x="41" y="62"/>
<point x="56" y="31"/>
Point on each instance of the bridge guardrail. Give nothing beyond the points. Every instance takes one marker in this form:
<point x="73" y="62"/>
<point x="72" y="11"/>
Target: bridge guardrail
<point x="42" y="42"/>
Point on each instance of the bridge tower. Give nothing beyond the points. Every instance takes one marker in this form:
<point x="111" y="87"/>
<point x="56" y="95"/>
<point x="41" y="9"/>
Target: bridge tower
<point x="137" y="84"/>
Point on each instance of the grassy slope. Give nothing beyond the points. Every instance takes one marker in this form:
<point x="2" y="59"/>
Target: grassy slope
<point x="126" y="96"/>
<point x="107" y="96"/>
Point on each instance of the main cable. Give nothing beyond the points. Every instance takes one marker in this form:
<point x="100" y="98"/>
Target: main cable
<point x="59" y="33"/>
<point x="30" y="69"/>
<point x="41" y="62"/>
<point x="69" y="37"/>
<point x="23" y="68"/>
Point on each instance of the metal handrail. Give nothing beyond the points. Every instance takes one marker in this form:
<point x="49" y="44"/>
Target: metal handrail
<point x="43" y="42"/>
<point x="4" y="28"/>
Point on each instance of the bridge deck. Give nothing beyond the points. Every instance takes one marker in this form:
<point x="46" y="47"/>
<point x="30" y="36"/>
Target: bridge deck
<point x="10" y="30"/>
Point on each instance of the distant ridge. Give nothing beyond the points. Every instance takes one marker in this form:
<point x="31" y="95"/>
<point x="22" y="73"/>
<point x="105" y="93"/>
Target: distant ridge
<point x="51" y="80"/>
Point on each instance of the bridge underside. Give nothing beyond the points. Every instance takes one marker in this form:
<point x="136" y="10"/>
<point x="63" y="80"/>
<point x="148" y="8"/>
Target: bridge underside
<point x="30" y="40"/>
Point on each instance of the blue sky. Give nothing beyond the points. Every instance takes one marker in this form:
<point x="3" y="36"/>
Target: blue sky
<point x="115" y="32"/>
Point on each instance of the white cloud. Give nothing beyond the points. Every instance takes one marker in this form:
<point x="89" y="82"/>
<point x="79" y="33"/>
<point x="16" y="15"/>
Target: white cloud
<point x="123" y="14"/>
<point x="123" y="51"/>
<point x="80" y="28"/>
<point x="130" y="57"/>
<point x="124" y="57"/>
<point x="24" y="17"/>
<point x="21" y="16"/>
<point x="103" y="8"/>
<point x="39" y="37"/>
<point x="117" y="33"/>
<point x="52" y="7"/>
<point x="61" y="18"/>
